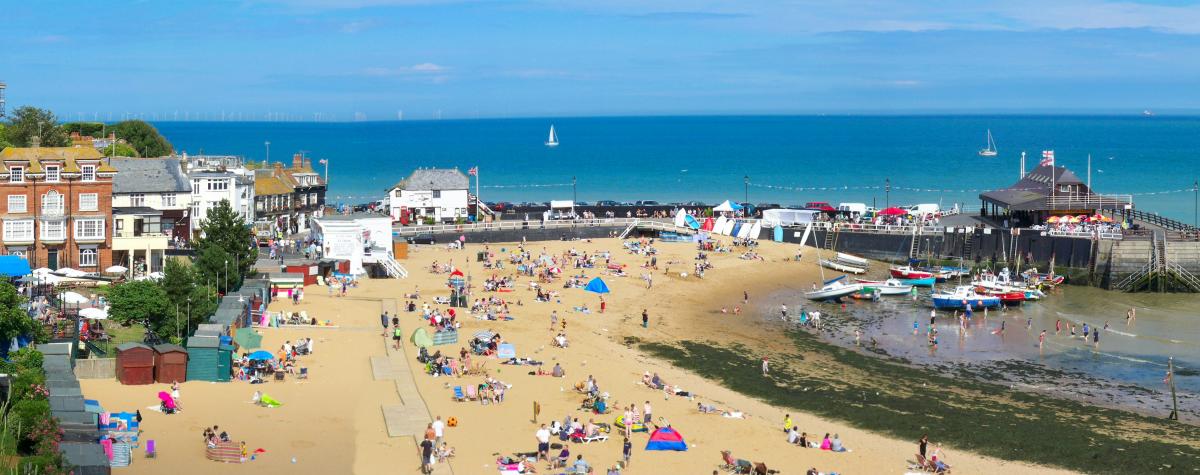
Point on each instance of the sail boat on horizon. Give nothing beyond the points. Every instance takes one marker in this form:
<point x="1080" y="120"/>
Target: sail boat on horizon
<point x="990" y="151"/>
<point x="553" y="140"/>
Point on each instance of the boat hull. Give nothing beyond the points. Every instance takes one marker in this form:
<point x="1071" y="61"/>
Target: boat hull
<point x="900" y="273"/>
<point x="947" y="302"/>
<point x="833" y="293"/>
<point x="828" y="264"/>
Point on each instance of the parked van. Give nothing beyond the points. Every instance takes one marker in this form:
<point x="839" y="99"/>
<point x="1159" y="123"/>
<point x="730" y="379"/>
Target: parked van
<point x="854" y="209"/>
<point x="923" y="209"/>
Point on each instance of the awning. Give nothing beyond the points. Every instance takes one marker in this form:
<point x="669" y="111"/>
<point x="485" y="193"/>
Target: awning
<point x="14" y="266"/>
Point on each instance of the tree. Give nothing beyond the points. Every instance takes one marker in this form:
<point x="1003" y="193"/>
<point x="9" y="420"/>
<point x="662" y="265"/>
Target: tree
<point x="4" y="143"/>
<point x="183" y="291"/>
<point x="211" y="264"/>
<point x="92" y="129"/>
<point x="13" y="320"/>
<point x="140" y="301"/>
<point x="29" y="122"/>
<point x="143" y="137"/>
<point x="119" y="150"/>
<point x="225" y="230"/>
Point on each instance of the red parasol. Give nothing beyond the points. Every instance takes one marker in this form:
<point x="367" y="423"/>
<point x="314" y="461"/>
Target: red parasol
<point x="893" y="211"/>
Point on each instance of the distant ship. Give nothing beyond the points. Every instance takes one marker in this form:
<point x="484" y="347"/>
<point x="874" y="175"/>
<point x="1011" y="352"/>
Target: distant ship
<point x="553" y="140"/>
<point x="990" y="151"/>
<point x="1148" y="113"/>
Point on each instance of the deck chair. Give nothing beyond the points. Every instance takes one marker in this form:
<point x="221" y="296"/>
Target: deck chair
<point x="151" y="451"/>
<point x="472" y="394"/>
<point x="303" y="373"/>
<point x="599" y="437"/>
<point x="458" y="394"/>
<point x="279" y="375"/>
<point x="732" y="465"/>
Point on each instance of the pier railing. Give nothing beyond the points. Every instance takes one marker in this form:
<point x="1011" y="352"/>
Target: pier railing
<point x="1089" y="201"/>
<point x="662" y="224"/>
<point x="1161" y="221"/>
<point x="1114" y="236"/>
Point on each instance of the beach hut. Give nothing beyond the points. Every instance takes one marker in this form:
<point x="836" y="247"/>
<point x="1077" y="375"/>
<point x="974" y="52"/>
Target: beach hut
<point x="135" y="363"/>
<point x="666" y="438"/>
<point x="421" y="338"/>
<point x="170" y="363"/>
<point x="208" y="359"/>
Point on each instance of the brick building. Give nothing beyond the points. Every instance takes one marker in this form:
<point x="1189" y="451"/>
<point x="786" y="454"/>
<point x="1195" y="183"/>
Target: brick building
<point x="57" y="203"/>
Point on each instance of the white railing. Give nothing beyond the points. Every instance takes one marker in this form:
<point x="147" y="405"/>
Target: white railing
<point x="1088" y="201"/>
<point x="878" y="228"/>
<point x="1114" y="236"/>
<point x="517" y="225"/>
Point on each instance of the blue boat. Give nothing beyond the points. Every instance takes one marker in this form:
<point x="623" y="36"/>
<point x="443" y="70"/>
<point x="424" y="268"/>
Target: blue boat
<point x="961" y="297"/>
<point x="926" y="282"/>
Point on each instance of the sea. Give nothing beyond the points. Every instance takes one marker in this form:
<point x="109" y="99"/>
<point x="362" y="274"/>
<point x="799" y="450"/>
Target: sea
<point x="787" y="160"/>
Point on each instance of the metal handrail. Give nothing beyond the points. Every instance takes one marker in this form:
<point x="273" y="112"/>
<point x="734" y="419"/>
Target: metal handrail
<point x="517" y="225"/>
<point x="1087" y="201"/>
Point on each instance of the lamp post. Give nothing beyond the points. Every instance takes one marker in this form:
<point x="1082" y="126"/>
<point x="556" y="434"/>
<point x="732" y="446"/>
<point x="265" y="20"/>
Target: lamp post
<point x="746" y="188"/>
<point x="887" y="192"/>
<point x="189" y="311"/>
<point x="268" y="144"/>
<point x="1196" y="208"/>
<point x="226" y="286"/>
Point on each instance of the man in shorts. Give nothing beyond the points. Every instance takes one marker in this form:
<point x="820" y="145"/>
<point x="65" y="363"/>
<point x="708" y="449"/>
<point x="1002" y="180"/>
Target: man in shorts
<point x="543" y="438"/>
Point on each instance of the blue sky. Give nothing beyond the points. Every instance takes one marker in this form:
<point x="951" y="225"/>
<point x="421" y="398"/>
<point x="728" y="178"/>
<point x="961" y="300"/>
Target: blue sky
<point x="342" y="59"/>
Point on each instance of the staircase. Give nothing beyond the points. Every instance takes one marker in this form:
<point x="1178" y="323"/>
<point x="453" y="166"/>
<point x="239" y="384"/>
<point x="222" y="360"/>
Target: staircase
<point x="481" y="208"/>
<point x="94" y="349"/>
<point x="393" y="268"/>
<point x="915" y="247"/>
<point x="831" y="237"/>
<point x="1160" y="273"/>
<point x="629" y="229"/>
<point x="968" y="245"/>
<point x="1093" y="257"/>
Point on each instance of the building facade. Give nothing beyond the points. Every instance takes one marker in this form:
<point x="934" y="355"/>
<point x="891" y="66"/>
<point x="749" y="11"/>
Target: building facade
<point x="287" y="199"/>
<point x="215" y="178"/>
<point x="437" y="194"/>
<point x="152" y="200"/>
<point x="57" y="206"/>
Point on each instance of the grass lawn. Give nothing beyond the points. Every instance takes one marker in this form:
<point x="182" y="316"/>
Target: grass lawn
<point x="121" y="334"/>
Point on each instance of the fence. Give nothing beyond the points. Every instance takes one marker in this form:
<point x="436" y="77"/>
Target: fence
<point x="518" y="225"/>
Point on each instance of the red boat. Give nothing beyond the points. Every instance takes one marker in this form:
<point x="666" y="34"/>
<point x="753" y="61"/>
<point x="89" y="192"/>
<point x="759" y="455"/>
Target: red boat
<point x="1006" y="298"/>
<point x="906" y="272"/>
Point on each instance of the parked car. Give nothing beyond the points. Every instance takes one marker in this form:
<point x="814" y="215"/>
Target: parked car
<point x="582" y="203"/>
<point x="500" y="206"/>
<point x="607" y="203"/>
<point x="645" y="203"/>
<point x="695" y="204"/>
<point x="819" y="206"/>
<point x="767" y="205"/>
<point x="423" y="238"/>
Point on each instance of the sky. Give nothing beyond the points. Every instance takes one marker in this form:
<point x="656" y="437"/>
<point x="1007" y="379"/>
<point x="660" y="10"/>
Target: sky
<point x="427" y="59"/>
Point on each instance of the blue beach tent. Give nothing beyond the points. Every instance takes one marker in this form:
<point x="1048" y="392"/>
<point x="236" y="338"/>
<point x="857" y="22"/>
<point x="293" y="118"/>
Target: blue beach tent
<point x="597" y="286"/>
<point x="262" y="355"/>
<point x="666" y="438"/>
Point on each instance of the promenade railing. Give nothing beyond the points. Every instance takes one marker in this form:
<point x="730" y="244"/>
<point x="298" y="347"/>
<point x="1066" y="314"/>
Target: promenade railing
<point x="518" y="225"/>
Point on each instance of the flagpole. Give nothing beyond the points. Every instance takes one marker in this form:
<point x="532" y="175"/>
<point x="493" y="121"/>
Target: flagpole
<point x="478" y="199"/>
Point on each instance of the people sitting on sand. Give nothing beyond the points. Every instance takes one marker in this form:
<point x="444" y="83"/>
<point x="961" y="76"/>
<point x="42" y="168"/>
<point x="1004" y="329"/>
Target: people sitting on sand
<point x="558" y="371"/>
<point x="835" y="445"/>
<point x="581" y="466"/>
<point x="707" y="408"/>
<point x="560" y="340"/>
<point x="825" y="442"/>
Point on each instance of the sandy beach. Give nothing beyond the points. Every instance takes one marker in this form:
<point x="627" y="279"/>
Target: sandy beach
<point x="333" y="422"/>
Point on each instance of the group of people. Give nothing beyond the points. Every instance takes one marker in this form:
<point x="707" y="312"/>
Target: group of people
<point x="433" y="447"/>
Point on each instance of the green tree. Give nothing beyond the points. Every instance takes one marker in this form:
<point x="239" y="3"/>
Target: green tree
<point x="93" y="129"/>
<point x="28" y="122"/>
<point x="119" y="150"/>
<point x="225" y="230"/>
<point x="143" y="137"/>
<point x="13" y="320"/>
<point x="137" y="302"/>
<point x="4" y="143"/>
<point x="185" y="293"/>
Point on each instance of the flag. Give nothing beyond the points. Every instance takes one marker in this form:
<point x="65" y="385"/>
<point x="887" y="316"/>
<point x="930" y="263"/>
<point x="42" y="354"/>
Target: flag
<point x="1047" y="158"/>
<point x="474" y="171"/>
<point x="323" y="161"/>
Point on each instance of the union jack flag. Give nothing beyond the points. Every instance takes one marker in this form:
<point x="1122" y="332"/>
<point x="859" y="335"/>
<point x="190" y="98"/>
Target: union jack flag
<point x="323" y="161"/>
<point x="474" y="171"/>
<point x="1047" y="158"/>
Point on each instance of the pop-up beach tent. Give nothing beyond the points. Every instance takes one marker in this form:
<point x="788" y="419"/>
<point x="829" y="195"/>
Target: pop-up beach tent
<point x="598" y="286"/>
<point x="666" y="438"/>
<point x="421" y="338"/>
<point x="727" y="206"/>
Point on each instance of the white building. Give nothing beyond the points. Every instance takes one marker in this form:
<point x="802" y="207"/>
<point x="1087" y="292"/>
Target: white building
<point x="440" y="194"/>
<point x="358" y="238"/>
<point x="216" y="178"/>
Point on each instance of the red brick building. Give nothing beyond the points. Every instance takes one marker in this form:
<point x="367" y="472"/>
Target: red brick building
<point x="56" y="206"/>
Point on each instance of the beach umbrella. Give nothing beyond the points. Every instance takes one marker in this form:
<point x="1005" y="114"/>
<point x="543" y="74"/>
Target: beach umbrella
<point x="484" y="335"/>
<point x="597" y="286"/>
<point x="456" y="273"/>
<point x="1052" y="219"/>
<point x="116" y="270"/>
<point x="893" y="211"/>
<point x="262" y="355"/>
<point x="69" y="272"/>
<point x="94" y="313"/>
<point x="73" y="297"/>
<point x="42" y="271"/>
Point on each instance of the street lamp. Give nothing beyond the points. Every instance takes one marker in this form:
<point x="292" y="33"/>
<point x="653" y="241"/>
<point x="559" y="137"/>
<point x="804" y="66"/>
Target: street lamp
<point x="887" y="193"/>
<point x="746" y="190"/>
<point x="268" y="144"/>
<point x="226" y="287"/>
<point x="189" y="311"/>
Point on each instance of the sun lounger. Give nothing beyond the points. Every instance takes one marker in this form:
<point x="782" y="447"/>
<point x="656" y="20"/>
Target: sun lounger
<point x="595" y="438"/>
<point x="458" y="394"/>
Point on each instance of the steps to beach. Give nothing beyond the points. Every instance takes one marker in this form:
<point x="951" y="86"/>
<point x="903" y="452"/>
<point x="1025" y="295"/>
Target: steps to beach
<point x="393" y="268"/>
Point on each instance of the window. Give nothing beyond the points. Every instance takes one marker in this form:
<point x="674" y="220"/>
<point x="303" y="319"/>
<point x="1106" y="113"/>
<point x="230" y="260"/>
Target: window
<point x="137" y="199"/>
<point x="87" y="258"/>
<point x="437" y="193"/>
<point x="89" y="228"/>
<point x="16" y="174"/>
<point x="89" y="172"/>
<point x="196" y="211"/>
<point x="17" y="204"/>
<point x="195" y="187"/>
<point x="89" y="202"/>
<point x="52" y="203"/>
<point x="168" y="200"/>
<point x="52" y="173"/>
<point x="149" y="225"/>
<point x="54" y="230"/>
<point x="18" y="230"/>
<point x="218" y="185"/>
<point x="1064" y="188"/>
<point x="119" y="227"/>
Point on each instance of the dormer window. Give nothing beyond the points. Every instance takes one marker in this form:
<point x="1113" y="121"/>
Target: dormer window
<point x="52" y="173"/>
<point x="16" y="174"/>
<point x="88" y="172"/>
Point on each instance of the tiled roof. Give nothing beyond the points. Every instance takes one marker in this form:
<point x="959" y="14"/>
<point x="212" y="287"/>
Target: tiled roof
<point x="425" y="179"/>
<point x="149" y="175"/>
<point x="67" y="155"/>
<point x="269" y="184"/>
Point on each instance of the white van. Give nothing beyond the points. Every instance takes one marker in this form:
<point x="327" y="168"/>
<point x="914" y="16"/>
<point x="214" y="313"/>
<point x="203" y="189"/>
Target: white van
<point x="923" y="209"/>
<point x="855" y="209"/>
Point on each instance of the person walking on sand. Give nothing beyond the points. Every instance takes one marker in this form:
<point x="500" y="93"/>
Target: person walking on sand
<point x="1042" y="339"/>
<point x="766" y="366"/>
<point x="645" y="319"/>
<point x="783" y="311"/>
<point x="1096" y="338"/>
<point x="745" y="297"/>
<point x="383" y="320"/>
<point x="626" y="451"/>
<point x="553" y="319"/>
<point x="923" y="444"/>
<point x="603" y="305"/>
<point x="543" y="438"/>
<point x="648" y="411"/>
<point x="439" y="430"/>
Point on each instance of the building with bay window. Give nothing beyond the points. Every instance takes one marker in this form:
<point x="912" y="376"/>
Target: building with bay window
<point x="151" y="201"/>
<point x="57" y="206"/>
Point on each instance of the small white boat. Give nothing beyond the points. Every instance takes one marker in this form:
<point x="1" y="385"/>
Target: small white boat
<point x="838" y="265"/>
<point x="833" y="290"/>
<point x="553" y="140"/>
<point x="990" y="151"/>
<point x="888" y="287"/>
<point x="851" y="260"/>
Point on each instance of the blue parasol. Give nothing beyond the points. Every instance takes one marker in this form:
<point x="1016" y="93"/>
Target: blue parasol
<point x="262" y="355"/>
<point x="597" y="286"/>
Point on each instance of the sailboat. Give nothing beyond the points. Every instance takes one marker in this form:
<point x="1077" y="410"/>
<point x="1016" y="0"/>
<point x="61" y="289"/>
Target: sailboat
<point x="990" y="151"/>
<point x="553" y="140"/>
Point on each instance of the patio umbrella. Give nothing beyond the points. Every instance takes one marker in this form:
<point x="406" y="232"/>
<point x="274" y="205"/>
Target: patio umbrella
<point x="116" y="270"/>
<point x="1052" y="219"/>
<point x="73" y="297"/>
<point x="94" y="313"/>
<point x="42" y="271"/>
<point x="893" y="211"/>
<point x="69" y="272"/>
<point x="262" y="355"/>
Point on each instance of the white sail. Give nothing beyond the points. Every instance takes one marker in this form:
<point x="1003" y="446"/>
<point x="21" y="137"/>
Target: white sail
<point x="990" y="151"/>
<point x="553" y="140"/>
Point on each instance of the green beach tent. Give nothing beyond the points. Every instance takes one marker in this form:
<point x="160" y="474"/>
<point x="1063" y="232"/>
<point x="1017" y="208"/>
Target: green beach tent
<point x="421" y="338"/>
<point x="248" y="339"/>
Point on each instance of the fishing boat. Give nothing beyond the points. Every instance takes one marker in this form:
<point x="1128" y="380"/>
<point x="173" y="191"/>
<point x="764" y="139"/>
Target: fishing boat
<point x="1034" y="277"/>
<point x="553" y="140"/>
<point x="990" y="151"/>
<point x="888" y="287"/>
<point x="839" y="266"/>
<point x="1013" y="297"/>
<point x="962" y="296"/>
<point x="909" y="272"/>
<point x="833" y="290"/>
<point x="926" y="282"/>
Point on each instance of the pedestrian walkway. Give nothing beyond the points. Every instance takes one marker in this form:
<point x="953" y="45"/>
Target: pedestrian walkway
<point x="410" y="417"/>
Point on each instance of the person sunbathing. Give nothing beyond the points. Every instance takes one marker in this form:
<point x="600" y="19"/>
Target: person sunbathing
<point x="707" y="408"/>
<point x="734" y="414"/>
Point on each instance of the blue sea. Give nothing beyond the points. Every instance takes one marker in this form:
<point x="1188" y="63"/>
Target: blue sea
<point x="785" y="159"/>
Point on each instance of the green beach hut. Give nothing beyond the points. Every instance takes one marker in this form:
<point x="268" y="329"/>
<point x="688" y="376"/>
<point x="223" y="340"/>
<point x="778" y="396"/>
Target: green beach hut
<point x="208" y="359"/>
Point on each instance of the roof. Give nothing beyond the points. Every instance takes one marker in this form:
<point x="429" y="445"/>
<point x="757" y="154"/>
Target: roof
<point x="137" y="211"/>
<point x="167" y="347"/>
<point x="426" y="179"/>
<point x="67" y="155"/>
<point x="129" y="345"/>
<point x="149" y="175"/>
<point x="1030" y="192"/>
<point x="269" y="184"/>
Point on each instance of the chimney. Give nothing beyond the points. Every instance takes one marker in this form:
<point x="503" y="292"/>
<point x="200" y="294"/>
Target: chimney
<point x="278" y="168"/>
<point x="307" y="163"/>
<point x="35" y="141"/>
<point x="297" y="160"/>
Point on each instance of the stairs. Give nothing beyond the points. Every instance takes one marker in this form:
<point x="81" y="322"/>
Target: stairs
<point x="831" y="237"/>
<point x="914" y="248"/>
<point x="1160" y="273"/>
<point x="968" y="245"/>
<point x="1093" y="257"/>
<point x="94" y="349"/>
<point x="629" y="229"/>
<point x="393" y="268"/>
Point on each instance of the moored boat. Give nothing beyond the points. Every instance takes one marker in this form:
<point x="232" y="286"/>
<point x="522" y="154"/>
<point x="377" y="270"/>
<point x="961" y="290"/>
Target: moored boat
<point x="887" y="287"/>
<point x="908" y="272"/>
<point x="834" y="289"/>
<point x="961" y="297"/>
<point x="838" y="265"/>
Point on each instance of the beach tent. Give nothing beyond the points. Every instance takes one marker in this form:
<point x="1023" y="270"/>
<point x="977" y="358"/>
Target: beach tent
<point x="262" y="355"/>
<point x="506" y="351"/>
<point x="597" y="286"/>
<point x="728" y="206"/>
<point x="421" y="338"/>
<point x="248" y="339"/>
<point x="13" y="266"/>
<point x="666" y="438"/>
<point x="787" y="217"/>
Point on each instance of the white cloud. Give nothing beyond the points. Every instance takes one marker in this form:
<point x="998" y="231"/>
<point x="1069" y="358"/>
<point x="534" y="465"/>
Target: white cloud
<point x="427" y="68"/>
<point x="357" y="26"/>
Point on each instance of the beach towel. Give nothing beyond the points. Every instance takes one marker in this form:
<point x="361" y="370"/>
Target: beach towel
<point x="269" y="401"/>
